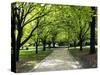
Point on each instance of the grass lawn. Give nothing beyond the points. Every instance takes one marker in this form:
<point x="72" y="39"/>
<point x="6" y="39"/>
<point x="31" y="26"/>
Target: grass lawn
<point x="28" y="59"/>
<point x="87" y="60"/>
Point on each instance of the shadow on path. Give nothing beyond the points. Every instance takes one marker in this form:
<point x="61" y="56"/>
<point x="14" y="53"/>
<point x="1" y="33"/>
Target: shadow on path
<point x="59" y="59"/>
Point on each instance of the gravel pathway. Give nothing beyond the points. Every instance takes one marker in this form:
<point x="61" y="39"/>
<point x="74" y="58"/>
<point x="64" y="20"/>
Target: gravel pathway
<point x="59" y="59"/>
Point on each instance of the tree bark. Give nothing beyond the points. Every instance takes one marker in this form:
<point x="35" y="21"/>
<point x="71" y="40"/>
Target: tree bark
<point x="44" y="45"/>
<point x="53" y="44"/>
<point x="36" y="45"/>
<point x="80" y="38"/>
<point x="92" y="34"/>
<point x="49" y="45"/>
<point x="17" y="54"/>
<point x="13" y="44"/>
<point x="75" y="44"/>
<point x="81" y="44"/>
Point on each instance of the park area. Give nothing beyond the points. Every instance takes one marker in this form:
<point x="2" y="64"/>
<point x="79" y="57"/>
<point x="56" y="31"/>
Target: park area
<point x="52" y="37"/>
<point x="56" y="59"/>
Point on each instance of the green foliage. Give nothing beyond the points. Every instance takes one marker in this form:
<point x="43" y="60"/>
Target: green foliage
<point x="62" y="23"/>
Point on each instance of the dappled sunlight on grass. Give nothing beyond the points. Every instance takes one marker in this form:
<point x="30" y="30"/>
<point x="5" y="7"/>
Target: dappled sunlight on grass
<point x="28" y="59"/>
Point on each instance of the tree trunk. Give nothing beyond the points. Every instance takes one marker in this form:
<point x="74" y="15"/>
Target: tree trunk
<point x="17" y="54"/>
<point x="92" y="34"/>
<point x="13" y="60"/>
<point x="13" y="49"/>
<point x="44" y="45"/>
<point x="18" y="45"/>
<point x="49" y="45"/>
<point x="36" y="45"/>
<point x="53" y="44"/>
<point x="81" y="44"/>
<point x="14" y="56"/>
<point x="75" y="44"/>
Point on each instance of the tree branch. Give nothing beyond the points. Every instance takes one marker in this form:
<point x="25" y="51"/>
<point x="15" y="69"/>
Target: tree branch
<point x="85" y="32"/>
<point x="30" y="34"/>
<point x="35" y="18"/>
<point x="28" y="11"/>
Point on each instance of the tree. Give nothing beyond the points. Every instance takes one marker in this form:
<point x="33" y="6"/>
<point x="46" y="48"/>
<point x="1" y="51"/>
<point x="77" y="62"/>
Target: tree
<point x="22" y="15"/>
<point x="92" y="32"/>
<point x="82" y="23"/>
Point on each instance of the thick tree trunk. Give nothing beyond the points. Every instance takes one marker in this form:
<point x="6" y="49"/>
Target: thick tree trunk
<point x="14" y="53"/>
<point x="14" y="56"/>
<point x="92" y="34"/>
<point x="13" y="49"/>
<point x="13" y="60"/>
<point x="18" y="45"/>
<point x="36" y="45"/>
<point x="17" y="54"/>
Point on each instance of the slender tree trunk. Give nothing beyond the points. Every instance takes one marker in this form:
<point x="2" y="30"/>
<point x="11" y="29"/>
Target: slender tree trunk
<point x="92" y="34"/>
<point x="44" y="48"/>
<point x="81" y="44"/>
<point x="44" y="45"/>
<point x="49" y="45"/>
<point x="36" y="45"/>
<point x="75" y="44"/>
<point x="53" y="44"/>
<point x="80" y="39"/>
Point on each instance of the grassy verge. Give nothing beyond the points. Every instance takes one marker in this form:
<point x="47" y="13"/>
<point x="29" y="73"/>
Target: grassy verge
<point x="87" y="60"/>
<point x="28" y="59"/>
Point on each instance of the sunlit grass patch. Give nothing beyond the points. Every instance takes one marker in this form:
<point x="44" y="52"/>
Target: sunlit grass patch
<point x="28" y="59"/>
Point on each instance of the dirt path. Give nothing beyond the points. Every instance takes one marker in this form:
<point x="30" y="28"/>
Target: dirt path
<point x="59" y="59"/>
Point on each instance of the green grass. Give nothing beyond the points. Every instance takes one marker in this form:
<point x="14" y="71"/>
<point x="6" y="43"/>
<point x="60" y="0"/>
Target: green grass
<point x="28" y="58"/>
<point x="76" y="52"/>
<point x="31" y="55"/>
